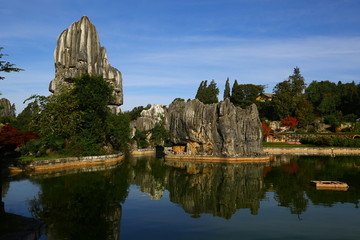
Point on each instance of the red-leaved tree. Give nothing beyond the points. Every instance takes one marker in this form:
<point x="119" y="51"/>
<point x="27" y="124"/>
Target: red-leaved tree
<point x="11" y="138"/>
<point x="290" y="122"/>
<point x="266" y="129"/>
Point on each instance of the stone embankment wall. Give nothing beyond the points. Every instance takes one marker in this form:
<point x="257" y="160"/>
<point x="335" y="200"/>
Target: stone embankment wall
<point x="144" y="151"/>
<point x="64" y="163"/>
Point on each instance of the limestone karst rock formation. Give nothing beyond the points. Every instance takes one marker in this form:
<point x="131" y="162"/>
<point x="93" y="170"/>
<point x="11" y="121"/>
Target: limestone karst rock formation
<point x="220" y="129"/>
<point x="148" y="118"/>
<point x="78" y="51"/>
<point x="6" y="108"/>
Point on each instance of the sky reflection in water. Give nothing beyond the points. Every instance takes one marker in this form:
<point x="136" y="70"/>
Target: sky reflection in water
<point x="147" y="198"/>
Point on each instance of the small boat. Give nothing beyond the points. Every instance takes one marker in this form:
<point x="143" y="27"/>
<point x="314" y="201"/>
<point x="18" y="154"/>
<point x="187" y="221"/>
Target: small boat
<point x="330" y="185"/>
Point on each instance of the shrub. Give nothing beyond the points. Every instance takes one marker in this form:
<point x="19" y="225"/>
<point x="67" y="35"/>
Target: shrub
<point x="332" y="142"/>
<point x="350" y="118"/>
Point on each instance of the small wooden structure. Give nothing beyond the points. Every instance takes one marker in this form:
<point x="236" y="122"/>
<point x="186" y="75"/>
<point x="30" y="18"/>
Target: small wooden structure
<point x="330" y="185"/>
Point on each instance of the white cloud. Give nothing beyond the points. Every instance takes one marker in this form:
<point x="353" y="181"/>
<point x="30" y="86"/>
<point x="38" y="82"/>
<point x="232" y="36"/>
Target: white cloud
<point x="264" y="61"/>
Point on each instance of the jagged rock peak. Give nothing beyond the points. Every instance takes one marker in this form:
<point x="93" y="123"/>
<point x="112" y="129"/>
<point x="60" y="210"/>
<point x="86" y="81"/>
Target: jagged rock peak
<point x="6" y="108"/>
<point x="78" y="51"/>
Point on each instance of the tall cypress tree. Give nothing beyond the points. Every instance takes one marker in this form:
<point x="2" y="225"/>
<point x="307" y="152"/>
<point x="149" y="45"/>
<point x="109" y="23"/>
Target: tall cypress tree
<point x="234" y="93"/>
<point x="227" y="89"/>
<point x="207" y="94"/>
<point x="212" y="92"/>
<point x="201" y="90"/>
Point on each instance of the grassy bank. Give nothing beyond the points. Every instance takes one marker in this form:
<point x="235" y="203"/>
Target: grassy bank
<point x="286" y="145"/>
<point x="32" y="158"/>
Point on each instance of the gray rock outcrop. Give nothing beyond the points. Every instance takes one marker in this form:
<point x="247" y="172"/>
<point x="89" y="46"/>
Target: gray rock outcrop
<point x="220" y="129"/>
<point x="149" y="118"/>
<point x="78" y="51"/>
<point x="6" y="108"/>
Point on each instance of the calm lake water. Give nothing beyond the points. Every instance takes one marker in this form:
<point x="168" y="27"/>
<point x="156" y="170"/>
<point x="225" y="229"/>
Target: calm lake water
<point x="147" y="198"/>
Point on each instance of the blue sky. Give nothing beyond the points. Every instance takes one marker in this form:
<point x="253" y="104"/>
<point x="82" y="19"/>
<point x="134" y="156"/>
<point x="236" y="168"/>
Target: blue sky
<point x="165" y="48"/>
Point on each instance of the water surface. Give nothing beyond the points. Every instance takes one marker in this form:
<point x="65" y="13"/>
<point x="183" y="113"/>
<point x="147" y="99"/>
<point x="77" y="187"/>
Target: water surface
<point x="148" y="198"/>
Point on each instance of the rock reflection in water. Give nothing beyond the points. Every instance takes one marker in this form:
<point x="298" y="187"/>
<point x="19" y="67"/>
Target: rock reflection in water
<point x="214" y="188"/>
<point x="149" y="174"/>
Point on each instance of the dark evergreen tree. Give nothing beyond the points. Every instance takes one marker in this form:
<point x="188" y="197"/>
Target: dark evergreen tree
<point x="324" y="96"/>
<point x="212" y="93"/>
<point x="349" y="98"/>
<point x="200" y="94"/>
<point x="235" y="98"/>
<point x="227" y="89"/>
<point x="246" y="94"/>
<point x="6" y="66"/>
<point x="287" y="94"/>
<point x="207" y="94"/>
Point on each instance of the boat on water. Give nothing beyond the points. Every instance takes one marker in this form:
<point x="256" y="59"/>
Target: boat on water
<point x="330" y="185"/>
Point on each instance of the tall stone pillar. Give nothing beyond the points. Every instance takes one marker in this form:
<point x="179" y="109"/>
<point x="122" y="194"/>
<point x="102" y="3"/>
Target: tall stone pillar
<point x="78" y="51"/>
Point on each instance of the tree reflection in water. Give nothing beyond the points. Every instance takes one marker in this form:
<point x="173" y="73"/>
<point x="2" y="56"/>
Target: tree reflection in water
<point x="82" y="206"/>
<point x="289" y="177"/>
<point x="87" y="205"/>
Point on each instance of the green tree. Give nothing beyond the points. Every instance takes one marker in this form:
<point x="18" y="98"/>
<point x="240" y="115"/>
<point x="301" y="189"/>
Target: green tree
<point x="349" y="98"/>
<point x="243" y="95"/>
<point x="56" y="115"/>
<point x="6" y="66"/>
<point x="304" y="112"/>
<point x="78" y="121"/>
<point x="235" y="85"/>
<point x="141" y="139"/>
<point x="93" y="94"/>
<point x="207" y="94"/>
<point x="287" y="94"/>
<point x="118" y="132"/>
<point x="135" y="112"/>
<point x="23" y="120"/>
<point x="213" y="92"/>
<point x="227" y="89"/>
<point x="200" y="94"/>
<point x="324" y="96"/>
<point x="178" y="100"/>
<point x="159" y="134"/>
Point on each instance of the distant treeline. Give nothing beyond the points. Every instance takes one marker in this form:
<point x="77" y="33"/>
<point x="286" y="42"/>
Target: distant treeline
<point x="330" y="102"/>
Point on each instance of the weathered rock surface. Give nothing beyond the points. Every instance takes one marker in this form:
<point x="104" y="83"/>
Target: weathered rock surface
<point x="6" y="108"/>
<point x="220" y="129"/>
<point x="149" y="118"/>
<point x="78" y="51"/>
